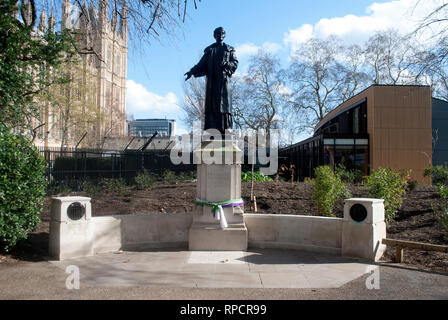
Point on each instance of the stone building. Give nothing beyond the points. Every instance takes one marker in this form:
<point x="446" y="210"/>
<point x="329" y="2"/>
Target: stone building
<point x="93" y="105"/>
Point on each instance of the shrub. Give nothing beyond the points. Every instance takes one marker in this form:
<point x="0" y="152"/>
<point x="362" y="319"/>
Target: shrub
<point x="91" y="188"/>
<point x="144" y="180"/>
<point x="169" y="176"/>
<point x="348" y="176"/>
<point x="258" y="176"/>
<point x="439" y="174"/>
<point x="412" y="184"/>
<point x="442" y="191"/>
<point x="441" y="209"/>
<point x="327" y="188"/>
<point x="117" y="186"/>
<point x="61" y="188"/>
<point x="308" y="180"/>
<point x="22" y="187"/>
<point x="389" y="185"/>
<point x="442" y="216"/>
<point x="186" y="176"/>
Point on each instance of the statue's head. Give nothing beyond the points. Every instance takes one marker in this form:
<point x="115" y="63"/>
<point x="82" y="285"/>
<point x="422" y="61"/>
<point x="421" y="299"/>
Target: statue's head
<point x="219" y="34"/>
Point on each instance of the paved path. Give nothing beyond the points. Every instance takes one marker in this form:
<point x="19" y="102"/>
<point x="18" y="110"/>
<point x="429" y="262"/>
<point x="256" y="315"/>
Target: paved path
<point x="219" y="269"/>
<point x="257" y="274"/>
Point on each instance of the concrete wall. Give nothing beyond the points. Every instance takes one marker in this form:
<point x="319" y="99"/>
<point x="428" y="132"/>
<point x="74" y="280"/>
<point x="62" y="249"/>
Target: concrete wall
<point x="140" y="231"/>
<point x="310" y="233"/>
<point x="90" y="235"/>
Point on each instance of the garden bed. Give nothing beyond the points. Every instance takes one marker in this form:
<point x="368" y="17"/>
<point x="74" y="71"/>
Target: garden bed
<point x="415" y="220"/>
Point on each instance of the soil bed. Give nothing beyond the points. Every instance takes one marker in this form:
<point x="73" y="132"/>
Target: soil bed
<point x="415" y="221"/>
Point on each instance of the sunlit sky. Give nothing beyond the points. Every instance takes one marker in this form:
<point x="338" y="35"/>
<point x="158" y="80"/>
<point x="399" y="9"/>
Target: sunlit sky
<point x="155" y="72"/>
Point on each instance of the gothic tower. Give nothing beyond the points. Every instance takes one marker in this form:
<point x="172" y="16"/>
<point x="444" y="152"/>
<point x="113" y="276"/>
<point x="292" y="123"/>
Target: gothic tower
<point x="101" y="34"/>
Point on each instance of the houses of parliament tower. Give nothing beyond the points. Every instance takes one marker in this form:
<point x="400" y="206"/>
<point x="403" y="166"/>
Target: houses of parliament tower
<point x="94" y="106"/>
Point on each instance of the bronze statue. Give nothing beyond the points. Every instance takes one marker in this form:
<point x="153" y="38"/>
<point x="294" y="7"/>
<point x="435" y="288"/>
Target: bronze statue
<point x="218" y="64"/>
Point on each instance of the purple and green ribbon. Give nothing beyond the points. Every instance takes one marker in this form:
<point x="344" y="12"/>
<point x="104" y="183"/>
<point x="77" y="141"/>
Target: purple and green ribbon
<point x="217" y="208"/>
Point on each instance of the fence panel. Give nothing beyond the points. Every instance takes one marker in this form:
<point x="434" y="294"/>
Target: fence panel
<point x="77" y="166"/>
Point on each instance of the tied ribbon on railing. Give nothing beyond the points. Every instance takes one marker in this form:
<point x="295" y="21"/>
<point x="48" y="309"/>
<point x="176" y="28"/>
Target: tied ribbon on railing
<point x="217" y="208"/>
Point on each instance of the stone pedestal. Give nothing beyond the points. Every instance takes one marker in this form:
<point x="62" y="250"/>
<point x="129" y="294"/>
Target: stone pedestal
<point x="71" y="230"/>
<point x="219" y="179"/>
<point x="363" y="228"/>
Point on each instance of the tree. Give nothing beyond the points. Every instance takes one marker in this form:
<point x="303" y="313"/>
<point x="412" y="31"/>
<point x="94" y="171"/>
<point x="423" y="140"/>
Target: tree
<point x="259" y="95"/>
<point x="436" y="17"/>
<point x="317" y="78"/>
<point x="27" y="60"/>
<point x="194" y="100"/>
<point x="356" y="78"/>
<point x="22" y="187"/>
<point x="388" y="58"/>
<point x="433" y="59"/>
<point x="73" y="106"/>
<point x="146" y="19"/>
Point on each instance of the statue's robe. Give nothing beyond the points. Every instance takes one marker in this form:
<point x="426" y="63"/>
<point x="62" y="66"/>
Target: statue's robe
<point x="218" y="64"/>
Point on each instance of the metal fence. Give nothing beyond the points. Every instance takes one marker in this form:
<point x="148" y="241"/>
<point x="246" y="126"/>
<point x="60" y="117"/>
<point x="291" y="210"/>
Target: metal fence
<point x="74" y="166"/>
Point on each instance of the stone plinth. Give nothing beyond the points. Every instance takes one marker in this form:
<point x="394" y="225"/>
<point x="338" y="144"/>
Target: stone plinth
<point x="219" y="179"/>
<point x="363" y="228"/>
<point x="71" y="230"/>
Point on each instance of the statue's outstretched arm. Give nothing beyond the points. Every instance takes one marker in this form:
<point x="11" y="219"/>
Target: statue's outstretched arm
<point x="200" y="69"/>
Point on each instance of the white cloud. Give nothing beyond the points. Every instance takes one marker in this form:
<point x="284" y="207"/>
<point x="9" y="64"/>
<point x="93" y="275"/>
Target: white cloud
<point x="299" y="35"/>
<point x="285" y="90"/>
<point x="145" y="104"/>
<point x="248" y="49"/>
<point x="180" y="131"/>
<point x="403" y="15"/>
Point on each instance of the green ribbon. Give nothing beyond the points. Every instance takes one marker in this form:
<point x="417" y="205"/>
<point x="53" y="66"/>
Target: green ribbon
<point x="217" y="209"/>
<point x="217" y="206"/>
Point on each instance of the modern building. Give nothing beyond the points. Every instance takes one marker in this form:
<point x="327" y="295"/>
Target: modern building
<point x="95" y="101"/>
<point x="382" y="126"/>
<point x="439" y="132"/>
<point x="147" y="127"/>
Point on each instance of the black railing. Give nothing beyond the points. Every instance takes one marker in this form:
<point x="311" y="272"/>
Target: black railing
<point x="74" y="166"/>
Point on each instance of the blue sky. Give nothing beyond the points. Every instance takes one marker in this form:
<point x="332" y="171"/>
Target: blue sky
<point x="155" y="76"/>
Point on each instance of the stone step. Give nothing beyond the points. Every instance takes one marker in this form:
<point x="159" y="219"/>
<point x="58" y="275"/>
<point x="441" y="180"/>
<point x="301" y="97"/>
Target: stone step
<point x="211" y="237"/>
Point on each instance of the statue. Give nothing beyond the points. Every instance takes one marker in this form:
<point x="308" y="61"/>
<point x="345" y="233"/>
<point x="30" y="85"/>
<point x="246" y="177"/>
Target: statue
<point x="218" y="64"/>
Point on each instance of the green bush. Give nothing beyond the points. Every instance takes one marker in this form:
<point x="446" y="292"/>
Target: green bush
<point x="91" y="188"/>
<point x="258" y="176"/>
<point x="117" y="186"/>
<point x="22" y="187"/>
<point x="327" y="188"/>
<point x="439" y="174"/>
<point x="61" y="189"/>
<point x="442" y="216"/>
<point x="169" y="176"/>
<point x="389" y="185"/>
<point x="412" y="184"/>
<point x="144" y="180"/>
<point x="441" y="209"/>
<point x="186" y="176"/>
<point x="348" y="176"/>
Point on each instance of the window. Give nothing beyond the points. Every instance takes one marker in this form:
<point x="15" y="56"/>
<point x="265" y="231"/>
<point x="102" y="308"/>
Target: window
<point x="117" y="65"/>
<point x="356" y="121"/>
<point x="109" y="59"/>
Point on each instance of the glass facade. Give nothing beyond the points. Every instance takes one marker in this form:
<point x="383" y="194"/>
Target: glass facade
<point x="147" y="127"/>
<point x="343" y="139"/>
